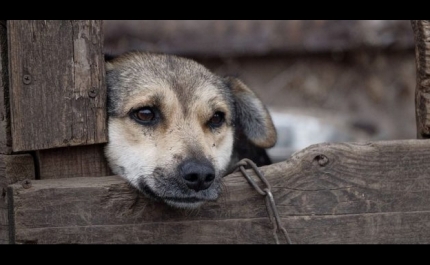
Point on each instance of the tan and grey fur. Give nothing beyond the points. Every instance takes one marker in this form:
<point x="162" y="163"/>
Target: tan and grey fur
<point x="181" y="152"/>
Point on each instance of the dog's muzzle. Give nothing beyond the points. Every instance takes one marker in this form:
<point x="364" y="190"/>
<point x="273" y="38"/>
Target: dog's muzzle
<point x="193" y="182"/>
<point x="197" y="175"/>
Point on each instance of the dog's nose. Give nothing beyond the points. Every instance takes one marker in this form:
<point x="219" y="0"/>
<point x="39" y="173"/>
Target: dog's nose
<point x="197" y="175"/>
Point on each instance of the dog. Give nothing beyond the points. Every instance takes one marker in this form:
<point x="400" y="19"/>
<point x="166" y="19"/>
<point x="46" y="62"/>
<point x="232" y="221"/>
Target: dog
<point x="175" y="128"/>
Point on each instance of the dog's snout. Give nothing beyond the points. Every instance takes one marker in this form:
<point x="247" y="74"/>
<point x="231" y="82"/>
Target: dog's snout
<point x="197" y="175"/>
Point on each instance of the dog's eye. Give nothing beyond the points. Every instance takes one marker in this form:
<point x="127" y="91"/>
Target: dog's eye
<point x="145" y="115"/>
<point x="216" y="120"/>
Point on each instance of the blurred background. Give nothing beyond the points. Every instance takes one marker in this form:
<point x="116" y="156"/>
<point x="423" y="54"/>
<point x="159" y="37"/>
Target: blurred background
<point x="322" y="80"/>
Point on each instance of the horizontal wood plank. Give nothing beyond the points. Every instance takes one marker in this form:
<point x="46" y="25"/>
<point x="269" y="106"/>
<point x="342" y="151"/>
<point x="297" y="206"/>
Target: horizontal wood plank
<point x="57" y="83"/>
<point x="72" y="162"/>
<point x="255" y="37"/>
<point x="410" y="228"/>
<point x="13" y="169"/>
<point x="377" y="192"/>
<point x="16" y="168"/>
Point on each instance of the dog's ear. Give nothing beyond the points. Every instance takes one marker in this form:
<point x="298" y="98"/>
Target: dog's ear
<point x="108" y="59"/>
<point x="251" y="115"/>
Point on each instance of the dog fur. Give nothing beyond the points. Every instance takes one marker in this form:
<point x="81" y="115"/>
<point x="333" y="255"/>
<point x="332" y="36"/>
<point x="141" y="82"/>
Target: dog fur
<point x="175" y="128"/>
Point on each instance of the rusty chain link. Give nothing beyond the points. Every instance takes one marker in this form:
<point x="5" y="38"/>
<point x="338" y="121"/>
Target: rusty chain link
<point x="270" y="202"/>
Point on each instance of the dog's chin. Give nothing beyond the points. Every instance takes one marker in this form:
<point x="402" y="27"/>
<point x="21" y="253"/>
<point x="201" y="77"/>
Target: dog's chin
<point x="180" y="200"/>
<point x="184" y="205"/>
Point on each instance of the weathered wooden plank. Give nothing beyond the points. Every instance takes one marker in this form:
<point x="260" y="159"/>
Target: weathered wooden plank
<point x="4" y="235"/>
<point x="374" y="193"/>
<point x="16" y="168"/>
<point x="57" y="87"/>
<point x="5" y="137"/>
<point x="13" y="168"/>
<point x="409" y="228"/>
<point x="4" y="222"/>
<point x="421" y="29"/>
<point x="252" y="37"/>
<point x="75" y="161"/>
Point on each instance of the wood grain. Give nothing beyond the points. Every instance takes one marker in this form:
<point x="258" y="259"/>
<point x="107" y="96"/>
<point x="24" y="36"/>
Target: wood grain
<point x="5" y="136"/>
<point x="74" y="161"/>
<point x="13" y="169"/>
<point x="345" y="193"/>
<point x="57" y="88"/>
<point x="421" y="30"/>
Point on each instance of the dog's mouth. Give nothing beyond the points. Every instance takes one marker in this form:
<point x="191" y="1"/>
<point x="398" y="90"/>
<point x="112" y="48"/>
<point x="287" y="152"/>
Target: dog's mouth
<point x="181" y="199"/>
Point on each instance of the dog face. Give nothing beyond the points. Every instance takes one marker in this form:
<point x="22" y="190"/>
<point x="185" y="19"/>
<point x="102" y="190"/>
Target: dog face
<point x="172" y="126"/>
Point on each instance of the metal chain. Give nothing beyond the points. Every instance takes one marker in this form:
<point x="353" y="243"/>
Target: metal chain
<point x="270" y="202"/>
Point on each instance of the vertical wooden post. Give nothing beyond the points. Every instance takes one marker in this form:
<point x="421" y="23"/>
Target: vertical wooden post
<point x="421" y="30"/>
<point x="13" y="168"/>
<point x="5" y="146"/>
<point x="52" y="103"/>
<point x="5" y="136"/>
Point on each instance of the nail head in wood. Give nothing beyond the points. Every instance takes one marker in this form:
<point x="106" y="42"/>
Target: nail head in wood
<point x="26" y="79"/>
<point x="92" y="93"/>
<point x="26" y="184"/>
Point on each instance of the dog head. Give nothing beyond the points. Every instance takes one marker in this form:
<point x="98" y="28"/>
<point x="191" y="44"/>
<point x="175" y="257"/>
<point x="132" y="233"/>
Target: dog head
<point x="172" y="125"/>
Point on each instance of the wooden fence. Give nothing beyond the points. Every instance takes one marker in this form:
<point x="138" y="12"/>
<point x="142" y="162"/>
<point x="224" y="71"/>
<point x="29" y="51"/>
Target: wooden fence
<point x="57" y="188"/>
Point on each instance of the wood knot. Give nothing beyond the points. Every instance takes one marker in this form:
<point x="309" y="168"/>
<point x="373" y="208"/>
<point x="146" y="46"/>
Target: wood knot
<point x="321" y="160"/>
